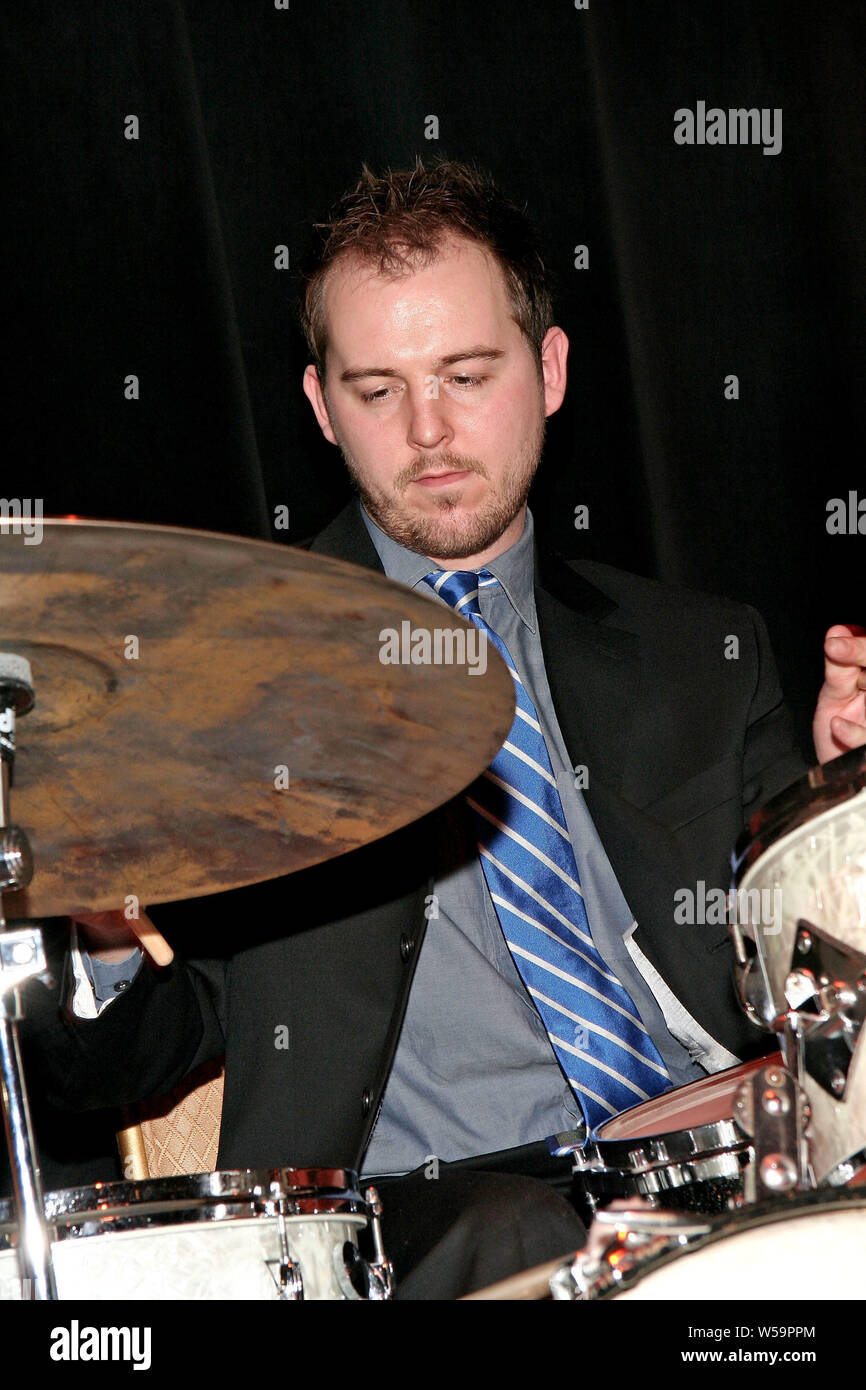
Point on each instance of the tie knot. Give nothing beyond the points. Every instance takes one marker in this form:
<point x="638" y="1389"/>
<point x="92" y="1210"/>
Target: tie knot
<point x="459" y="588"/>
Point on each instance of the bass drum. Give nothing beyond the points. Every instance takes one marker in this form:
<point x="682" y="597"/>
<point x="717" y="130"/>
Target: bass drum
<point x="813" y="1246"/>
<point x="286" y="1233"/>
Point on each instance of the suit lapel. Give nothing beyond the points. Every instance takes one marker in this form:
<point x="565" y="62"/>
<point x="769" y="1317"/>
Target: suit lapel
<point x="593" y="671"/>
<point x="347" y="538"/>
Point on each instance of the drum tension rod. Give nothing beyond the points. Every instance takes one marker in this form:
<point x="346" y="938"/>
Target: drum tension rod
<point x="381" y="1269"/>
<point x="291" y="1280"/>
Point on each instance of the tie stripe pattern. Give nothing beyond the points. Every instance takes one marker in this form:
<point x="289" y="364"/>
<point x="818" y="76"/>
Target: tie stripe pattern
<point x="531" y="871"/>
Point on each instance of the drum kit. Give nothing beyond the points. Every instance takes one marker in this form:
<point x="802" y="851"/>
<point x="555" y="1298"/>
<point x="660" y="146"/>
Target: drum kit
<point x="204" y="712"/>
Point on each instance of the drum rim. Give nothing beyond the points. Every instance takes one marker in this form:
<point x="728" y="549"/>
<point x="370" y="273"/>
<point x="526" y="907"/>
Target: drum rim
<point x="721" y="1153"/>
<point x="690" y="1143"/>
<point x="223" y="1194"/>
<point x="821" y="789"/>
<point x="732" y="1077"/>
<point x="744" y="1218"/>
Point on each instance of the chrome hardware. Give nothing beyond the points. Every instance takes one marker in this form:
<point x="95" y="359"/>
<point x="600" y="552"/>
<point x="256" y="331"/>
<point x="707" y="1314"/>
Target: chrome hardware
<point x="847" y="1171"/>
<point x="381" y="1270"/>
<point x="773" y="1111"/>
<point x="290" y="1280"/>
<point x="570" y="1283"/>
<point x="799" y="987"/>
<point x="22" y="956"/>
<point x="775" y="1103"/>
<point x="16" y="858"/>
<point x="709" y="1153"/>
<point x="650" y="1221"/>
<point x="609" y="1268"/>
<point x="827" y="993"/>
<point x="751" y="986"/>
<point x="778" y="1172"/>
<point x="620" y="1240"/>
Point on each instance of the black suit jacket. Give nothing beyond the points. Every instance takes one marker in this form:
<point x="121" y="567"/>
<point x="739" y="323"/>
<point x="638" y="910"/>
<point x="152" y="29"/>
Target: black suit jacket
<point x="681" y="739"/>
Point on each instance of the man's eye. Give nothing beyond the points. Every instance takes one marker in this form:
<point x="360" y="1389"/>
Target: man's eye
<point x="382" y="393"/>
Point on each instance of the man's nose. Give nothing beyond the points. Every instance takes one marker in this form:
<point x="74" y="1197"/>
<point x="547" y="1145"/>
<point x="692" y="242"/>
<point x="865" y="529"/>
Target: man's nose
<point x="429" y="425"/>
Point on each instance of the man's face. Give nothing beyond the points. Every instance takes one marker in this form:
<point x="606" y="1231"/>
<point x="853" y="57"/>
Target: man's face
<point x="435" y="399"/>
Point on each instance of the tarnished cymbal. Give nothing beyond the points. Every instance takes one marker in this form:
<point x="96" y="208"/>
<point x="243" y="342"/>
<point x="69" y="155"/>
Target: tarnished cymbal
<point x="212" y="711"/>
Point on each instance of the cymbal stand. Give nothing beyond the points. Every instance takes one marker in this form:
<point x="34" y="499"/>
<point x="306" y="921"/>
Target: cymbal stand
<point x="22" y="956"/>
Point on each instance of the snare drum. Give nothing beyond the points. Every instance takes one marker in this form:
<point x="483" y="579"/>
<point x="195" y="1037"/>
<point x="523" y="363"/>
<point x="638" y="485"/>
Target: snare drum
<point x="681" y="1149"/>
<point x="287" y="1233"/>
<point x="812" y="1246"/>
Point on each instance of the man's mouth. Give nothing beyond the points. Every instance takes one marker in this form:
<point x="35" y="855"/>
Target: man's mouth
<point x="443" y="479"/>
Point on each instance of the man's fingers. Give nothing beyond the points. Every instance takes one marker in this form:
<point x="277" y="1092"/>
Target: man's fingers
<point x="846" y="732"/>
<point x="846" y="644"/>
<point x="842" y="694"/>
<point x="110" y="929"/>
<point x="114" y="917"/>
<point x="849" y="650"/>
<point x="844" y="662"/>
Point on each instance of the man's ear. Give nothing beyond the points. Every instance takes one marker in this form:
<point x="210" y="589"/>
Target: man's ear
<point x="554" y="353"/>
<point x="316" y="396"/>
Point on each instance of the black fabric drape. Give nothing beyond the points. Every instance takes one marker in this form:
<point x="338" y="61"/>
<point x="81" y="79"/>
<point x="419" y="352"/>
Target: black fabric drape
<point x="156" y="257"/>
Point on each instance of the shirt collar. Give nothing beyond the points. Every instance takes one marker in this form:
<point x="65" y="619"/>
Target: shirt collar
<point x="514" y="568"/>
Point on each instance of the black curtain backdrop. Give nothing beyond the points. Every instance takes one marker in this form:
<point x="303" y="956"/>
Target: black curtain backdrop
<point x="155" y="257"/>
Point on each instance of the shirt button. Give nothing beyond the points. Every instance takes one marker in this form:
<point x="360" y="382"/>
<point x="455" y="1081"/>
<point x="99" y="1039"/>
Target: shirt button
<point x="407" y="946"/>
<point x="366" y="1101"/>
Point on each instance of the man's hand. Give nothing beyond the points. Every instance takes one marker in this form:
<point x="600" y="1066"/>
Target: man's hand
<point x="840" y="714"/>
<point x="106" y="935"/>
<point x="111" y="936"/>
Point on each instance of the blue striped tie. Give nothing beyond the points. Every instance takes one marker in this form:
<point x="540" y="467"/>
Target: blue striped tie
<point x="528" y="859"/>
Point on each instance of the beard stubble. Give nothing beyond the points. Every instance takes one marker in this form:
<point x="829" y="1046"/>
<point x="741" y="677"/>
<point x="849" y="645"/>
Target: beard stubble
<point x="449" y="534"/>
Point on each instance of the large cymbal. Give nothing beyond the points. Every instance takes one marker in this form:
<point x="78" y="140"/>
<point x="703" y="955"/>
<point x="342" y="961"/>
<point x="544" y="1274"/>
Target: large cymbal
<point x="159" y="775"/>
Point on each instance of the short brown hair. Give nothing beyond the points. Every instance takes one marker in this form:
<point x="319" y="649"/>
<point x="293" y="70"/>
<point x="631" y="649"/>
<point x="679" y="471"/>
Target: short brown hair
<point x="399" y="221"/>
